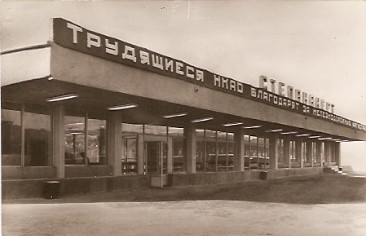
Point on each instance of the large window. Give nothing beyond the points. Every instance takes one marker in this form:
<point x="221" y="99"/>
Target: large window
<point x="230" y="152"/>
<point x="10" y="135"/>
<point x="222" y="151"/>
<point x="129" y="141"/>
<point x="296" y="154"/>
<point x="263" y="161"/>
<point x="37" y="133"/>
<point x="308" y="148"/>
<point x="210" y="150"/>
<point x="75" y="140"/>
<point x="283" y="158"/>
<point x="178" y="148"/>
<point x="25" y="135"/>
<point x="97" y="133"/>
<point x="317" y="153"/>
<point x="85" y="140"/>
<point x="200" y="150"/>
<point x="247" y="152"/>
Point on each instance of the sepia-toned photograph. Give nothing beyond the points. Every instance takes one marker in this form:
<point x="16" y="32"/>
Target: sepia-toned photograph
<point x="183" y="118"/>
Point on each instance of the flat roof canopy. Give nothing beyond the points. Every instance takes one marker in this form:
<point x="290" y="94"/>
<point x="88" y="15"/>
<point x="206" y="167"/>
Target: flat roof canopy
<point x="96" y="102"/>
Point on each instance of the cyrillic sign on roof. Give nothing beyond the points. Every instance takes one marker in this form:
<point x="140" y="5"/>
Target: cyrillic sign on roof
<point x="73" y="36"/>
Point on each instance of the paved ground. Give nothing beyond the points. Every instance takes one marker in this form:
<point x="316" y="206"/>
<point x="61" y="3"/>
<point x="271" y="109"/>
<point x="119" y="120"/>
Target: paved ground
<point x="334" y="205"/>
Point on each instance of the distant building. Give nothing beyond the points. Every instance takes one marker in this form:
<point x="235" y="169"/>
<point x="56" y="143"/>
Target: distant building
<point x="111" y="115"/>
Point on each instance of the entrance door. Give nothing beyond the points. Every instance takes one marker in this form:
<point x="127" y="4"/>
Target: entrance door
<point x="156" y="157"/>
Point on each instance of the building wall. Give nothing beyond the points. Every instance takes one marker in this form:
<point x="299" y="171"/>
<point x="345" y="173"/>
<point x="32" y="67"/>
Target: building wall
<point x="75" y="67"/>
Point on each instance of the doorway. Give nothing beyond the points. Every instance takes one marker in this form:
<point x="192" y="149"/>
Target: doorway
<point x="156" y="157"/>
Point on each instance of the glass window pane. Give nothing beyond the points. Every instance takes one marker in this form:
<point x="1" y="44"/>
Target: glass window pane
<point x="253" y="152"/>
<point x="178" y="148"/>
<point x="210" y="150"/>
<point x="129" y="155"/>
<point x="295" y="160"/>
<point x="74" y="140"/>
<point x="222" y="151"/>
<point x="231" y="156"/>
<point x="37" y="134"/>
<point x="246" y="152"/>
<point x="10" y="137"/>
<point x="261" y="153"/>
<point x="200" y="150"/>
<point x="96" y="152"/>
<point x="129" y="141"/>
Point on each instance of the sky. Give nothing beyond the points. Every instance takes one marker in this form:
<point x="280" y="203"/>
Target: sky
<point x="316" y="46"/>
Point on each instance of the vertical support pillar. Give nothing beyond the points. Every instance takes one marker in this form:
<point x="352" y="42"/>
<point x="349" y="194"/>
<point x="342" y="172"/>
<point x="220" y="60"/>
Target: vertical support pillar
<point x="115" y="142"/>
<point x="22" y="137"/>
<point x="309" y="152"/>
<point x="286" y="151"/>
<point x="318" y="157"/>
<point x="190" y="139"/>
<point x="58" y="142"/>
<point x="86" y="160"/>
<point x="299" y="152"/>
<point x="337" y="146"/>
<point x="170" y="156"/>
<point x="326" y="153"/>
<point x="330" y="153"/>
<point x="140" y="154"/>
<point x="239" y="150"/>
<point x="273" y="151"/>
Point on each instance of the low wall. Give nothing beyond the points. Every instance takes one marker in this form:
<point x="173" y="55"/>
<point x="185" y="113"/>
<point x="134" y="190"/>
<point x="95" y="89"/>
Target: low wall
<point x="283" y="173"/>
<point x="28" y="172"/>
<point x="212" y="178"/>
<point x="76" y="171"/>
<point x="12" y="189"/>
<point x="32" y="188"/>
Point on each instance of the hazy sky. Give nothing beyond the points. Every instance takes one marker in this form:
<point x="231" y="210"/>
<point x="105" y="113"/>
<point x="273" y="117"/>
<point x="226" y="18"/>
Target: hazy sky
<point x="316" y="46"/>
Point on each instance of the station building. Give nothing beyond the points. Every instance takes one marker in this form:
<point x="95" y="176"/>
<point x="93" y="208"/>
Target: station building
<point x="111" y="115"/>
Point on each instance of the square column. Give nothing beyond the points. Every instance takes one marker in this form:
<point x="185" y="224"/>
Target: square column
<point x="338" y="153"/>
<point x="327" y="154"/>
<point x="140" y="154"/>
<point x="58" y="141"/>
<point x="115" y="142"/>
<point x="286" y="151"/>
<point x="299" y="151"/>
<point x="170" y="156"/>
<point x="239" y="150"/>
<point x="274" y="144"/>
<point x="190" y="147"/>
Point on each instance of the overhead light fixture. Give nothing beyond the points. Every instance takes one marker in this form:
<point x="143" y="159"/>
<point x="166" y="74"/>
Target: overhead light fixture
<point x="345" y="140"/>
<point x="317" y="136"/>
<point x="274" y="130"/>
<point x="291" y="132"/>
<point x="174" y="115"/>
<point x="77" y="123"/>
<point x="202" y="120"/>
<point x="302" y="135"/>
<point x="252" y="127"/>
<point x="122" y="107"/>
<point x="328" y="138"/>
<point x="62" y="97"/>
<point x="232" y="124"/>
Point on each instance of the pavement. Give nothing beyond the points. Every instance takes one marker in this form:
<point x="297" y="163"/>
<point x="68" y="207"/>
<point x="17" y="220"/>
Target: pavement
<point x="321" y="205"/>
